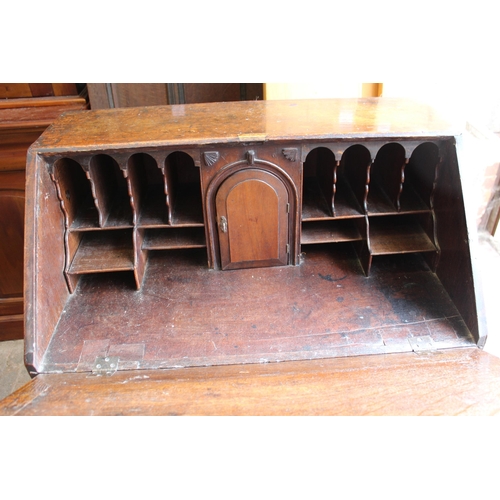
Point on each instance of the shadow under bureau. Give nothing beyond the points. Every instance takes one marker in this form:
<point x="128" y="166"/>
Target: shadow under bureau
<point x="246" y="232"/>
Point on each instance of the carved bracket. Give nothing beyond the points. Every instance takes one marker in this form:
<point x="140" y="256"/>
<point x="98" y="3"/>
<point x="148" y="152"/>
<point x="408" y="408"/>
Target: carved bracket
<point x="210" y="158"/>
<point x="291" y="154"/>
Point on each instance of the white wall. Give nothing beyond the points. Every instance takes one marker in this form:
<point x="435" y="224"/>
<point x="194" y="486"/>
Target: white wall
<point x="475" y="102"/>
<point x="276" y="91"/>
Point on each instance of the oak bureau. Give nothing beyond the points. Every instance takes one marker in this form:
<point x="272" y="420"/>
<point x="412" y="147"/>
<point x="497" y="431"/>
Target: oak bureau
<point x="246" y="232"/>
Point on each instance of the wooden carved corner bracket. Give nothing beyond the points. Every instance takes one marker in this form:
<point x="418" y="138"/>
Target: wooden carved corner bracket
<point x="210" y="158"/>
<point x="290" y="154"/>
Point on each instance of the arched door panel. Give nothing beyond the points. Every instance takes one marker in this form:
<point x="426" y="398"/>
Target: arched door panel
<point x="252" y="218"/>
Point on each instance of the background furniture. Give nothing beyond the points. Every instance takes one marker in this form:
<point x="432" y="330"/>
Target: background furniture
<point x="124" y="95"/>
<point x="26" y="110"/>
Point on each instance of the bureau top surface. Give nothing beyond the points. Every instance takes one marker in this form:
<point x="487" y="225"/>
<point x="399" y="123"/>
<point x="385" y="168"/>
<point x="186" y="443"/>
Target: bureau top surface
<point x="245" y="121"/>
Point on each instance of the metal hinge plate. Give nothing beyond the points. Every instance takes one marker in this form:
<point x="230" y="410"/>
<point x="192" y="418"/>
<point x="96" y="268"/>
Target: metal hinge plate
<point x="422" y="344"/>
<point x="105" y="366"/>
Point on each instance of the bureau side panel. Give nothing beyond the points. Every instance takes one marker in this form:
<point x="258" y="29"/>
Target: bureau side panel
<point x="456" y="240"/>
<point x="45" y="288"/>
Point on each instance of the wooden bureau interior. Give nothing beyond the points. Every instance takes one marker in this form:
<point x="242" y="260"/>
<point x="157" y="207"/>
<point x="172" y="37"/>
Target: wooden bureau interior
<point x="246" y="232"/>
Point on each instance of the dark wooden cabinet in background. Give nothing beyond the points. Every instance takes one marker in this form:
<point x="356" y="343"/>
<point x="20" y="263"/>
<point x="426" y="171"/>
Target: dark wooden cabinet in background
<point x="26" y="110"/>
<point x="126" y="95"/>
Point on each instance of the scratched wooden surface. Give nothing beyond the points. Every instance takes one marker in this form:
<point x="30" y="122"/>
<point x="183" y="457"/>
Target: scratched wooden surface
<point x="245" y="121"/>
<point x="447" y="382"/>
<point x="188" y="315"/>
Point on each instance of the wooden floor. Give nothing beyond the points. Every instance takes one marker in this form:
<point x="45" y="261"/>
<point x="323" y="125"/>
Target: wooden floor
<point x="13" y="373"/>
<point x="187" y="315"/>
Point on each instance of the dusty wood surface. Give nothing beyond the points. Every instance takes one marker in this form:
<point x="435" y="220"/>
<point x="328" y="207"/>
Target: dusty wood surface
<point x="244" y="122"/>
<point x="187" y="315"/>
<point x="449" y="382"/>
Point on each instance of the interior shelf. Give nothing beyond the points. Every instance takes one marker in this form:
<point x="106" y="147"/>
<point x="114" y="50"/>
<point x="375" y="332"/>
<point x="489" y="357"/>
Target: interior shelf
<point x="110" y="192"/>
<point x="75" y="194"/>
<point x="345" y="202"/>
<point x="163" y="202"/>
<point x="119" y="215"/>
<point x="329" y="232"/>
<point x="154" y="210"/>
<point x="380" y="204"/>
<point x="188" y="208"/>
<point x="387" y="179"/>
<point x="398" y="234"/>
<point x="86" y="217"/>
<point x="318" y="184"/>
<point x="378" y="201"/>
<point x="315" y="206"/>
<point x="172" y="238"/>
<point x="411" y="201"/>
<point x="102" y="251"/>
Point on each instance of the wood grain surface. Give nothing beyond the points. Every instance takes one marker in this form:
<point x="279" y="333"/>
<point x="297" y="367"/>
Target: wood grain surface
<point x="448" y="382"/>
<point x="188" y="315"/>
<point x="244" y="122"/>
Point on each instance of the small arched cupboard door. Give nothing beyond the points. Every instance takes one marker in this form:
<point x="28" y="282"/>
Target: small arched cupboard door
<point x="252" y="217"/>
